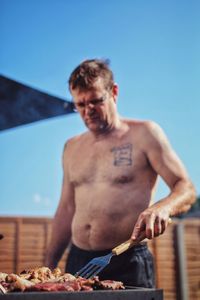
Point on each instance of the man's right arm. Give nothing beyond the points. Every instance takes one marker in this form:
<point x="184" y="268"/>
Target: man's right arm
<point x="61" y="227"/>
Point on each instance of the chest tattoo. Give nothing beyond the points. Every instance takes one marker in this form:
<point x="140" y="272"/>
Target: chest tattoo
<point x="122" y="155"/>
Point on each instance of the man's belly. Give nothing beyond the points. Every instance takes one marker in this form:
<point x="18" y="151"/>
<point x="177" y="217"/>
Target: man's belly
<point x="106" y="218"/>
<point x="100" y="235"/>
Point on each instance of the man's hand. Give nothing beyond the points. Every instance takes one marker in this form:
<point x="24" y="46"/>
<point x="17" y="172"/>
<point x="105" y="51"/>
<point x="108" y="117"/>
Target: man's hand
<point x="151" y="223"/>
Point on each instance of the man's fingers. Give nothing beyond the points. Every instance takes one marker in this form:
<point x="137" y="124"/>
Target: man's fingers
<point x="136" y="232"/>
<point x="139" y="227"/>
<point x="163" y="226"/>
<point x="160" y="226"/>
<point x="150" y="226"/>
<point x="157" y="227"/>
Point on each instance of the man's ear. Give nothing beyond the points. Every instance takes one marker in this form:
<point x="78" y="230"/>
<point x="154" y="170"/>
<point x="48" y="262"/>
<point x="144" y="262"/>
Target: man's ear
<point x="115" y="91"/>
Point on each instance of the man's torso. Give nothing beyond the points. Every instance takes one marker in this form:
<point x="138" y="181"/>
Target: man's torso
<point x="113" y="183"/>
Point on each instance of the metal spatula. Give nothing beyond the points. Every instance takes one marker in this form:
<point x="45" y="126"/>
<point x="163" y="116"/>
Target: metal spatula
<point x="97" y="264"/>
<point x="2" y="290"/>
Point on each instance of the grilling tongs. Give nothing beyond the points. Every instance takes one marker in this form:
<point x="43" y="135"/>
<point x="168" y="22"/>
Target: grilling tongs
<point x="97" y="264"/>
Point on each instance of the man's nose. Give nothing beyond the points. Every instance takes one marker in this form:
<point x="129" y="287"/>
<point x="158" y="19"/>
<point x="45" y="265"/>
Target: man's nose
<point x="90" y="105"/>
<point x="89" y="108"/>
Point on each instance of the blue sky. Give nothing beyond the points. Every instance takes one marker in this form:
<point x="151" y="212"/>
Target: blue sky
<point x="154" y="50"/>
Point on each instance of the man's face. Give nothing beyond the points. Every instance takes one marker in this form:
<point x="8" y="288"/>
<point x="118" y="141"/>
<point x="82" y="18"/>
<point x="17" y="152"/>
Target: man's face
<point x="96" y="106"/>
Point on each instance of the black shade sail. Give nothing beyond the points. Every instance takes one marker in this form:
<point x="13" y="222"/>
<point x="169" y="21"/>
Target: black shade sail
<point x="21" y="104"/>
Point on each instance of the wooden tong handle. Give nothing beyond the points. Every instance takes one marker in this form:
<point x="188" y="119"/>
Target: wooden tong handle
<point x="127" y="245"/>
<point x="130" y="243"/>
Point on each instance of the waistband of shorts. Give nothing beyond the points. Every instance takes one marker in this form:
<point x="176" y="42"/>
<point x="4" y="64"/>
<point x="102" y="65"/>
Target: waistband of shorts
<point x="136" y="249"/>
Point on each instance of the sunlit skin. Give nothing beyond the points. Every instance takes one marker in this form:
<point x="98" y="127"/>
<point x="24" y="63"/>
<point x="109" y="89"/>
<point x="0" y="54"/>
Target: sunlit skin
<point x="110" y="173"/>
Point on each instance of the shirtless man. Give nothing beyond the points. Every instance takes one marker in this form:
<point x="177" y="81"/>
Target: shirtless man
<point x="110" y="174"/>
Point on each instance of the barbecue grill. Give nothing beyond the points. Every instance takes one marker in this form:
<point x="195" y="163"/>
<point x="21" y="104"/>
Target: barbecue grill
<point x="130" y="293"/>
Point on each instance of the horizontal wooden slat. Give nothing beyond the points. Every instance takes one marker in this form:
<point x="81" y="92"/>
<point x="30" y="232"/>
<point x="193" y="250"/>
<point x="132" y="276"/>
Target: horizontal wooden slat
<point x="4" y="265"/>
<point x="6" y="259"/>
<point x="30" y="265"/>
<point x="31" y="251"/>
<point x="7" y="253"/>
<point x="34" y="244"/>
<point x="8" y="240"/>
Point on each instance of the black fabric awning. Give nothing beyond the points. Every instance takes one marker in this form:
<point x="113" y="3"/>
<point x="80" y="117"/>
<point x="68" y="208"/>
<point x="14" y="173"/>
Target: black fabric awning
<point x="21" y="104"/>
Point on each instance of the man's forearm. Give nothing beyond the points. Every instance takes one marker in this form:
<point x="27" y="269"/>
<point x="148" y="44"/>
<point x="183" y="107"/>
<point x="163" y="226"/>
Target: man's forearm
<point x="182" y="196"/>
<point x="59" y="240"/>
<point x="54" y="254"/>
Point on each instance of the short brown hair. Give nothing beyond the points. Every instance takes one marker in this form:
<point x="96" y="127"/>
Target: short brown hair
<point x="84" y="75"/>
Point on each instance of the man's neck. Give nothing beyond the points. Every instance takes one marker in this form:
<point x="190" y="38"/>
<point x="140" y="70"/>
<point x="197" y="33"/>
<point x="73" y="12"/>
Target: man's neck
<point x="109" y="130"/>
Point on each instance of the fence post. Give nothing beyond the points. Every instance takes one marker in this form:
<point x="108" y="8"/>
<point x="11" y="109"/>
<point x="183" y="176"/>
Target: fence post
<point x="181" y="257"/>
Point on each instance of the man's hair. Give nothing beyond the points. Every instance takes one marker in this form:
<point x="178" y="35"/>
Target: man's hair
<point x="84" y="76"/>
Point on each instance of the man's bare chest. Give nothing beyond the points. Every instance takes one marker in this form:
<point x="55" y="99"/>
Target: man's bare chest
<point x="114" y="164"/>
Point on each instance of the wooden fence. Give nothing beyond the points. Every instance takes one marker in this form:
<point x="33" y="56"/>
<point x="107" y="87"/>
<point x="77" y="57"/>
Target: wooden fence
<point x="176" y="253"/>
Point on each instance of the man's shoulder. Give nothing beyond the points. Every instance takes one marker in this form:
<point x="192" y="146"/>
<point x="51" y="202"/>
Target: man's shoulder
<point x="142" y="125"/>
<point x="75" y="141"/>
<point x="146" y="132"/>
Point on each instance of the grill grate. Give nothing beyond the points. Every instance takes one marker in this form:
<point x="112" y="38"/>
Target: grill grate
<point x="130" y="293"/>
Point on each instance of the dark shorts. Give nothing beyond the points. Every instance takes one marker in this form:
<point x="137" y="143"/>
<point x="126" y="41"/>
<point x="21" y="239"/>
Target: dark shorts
<point x="133" y="267"/>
